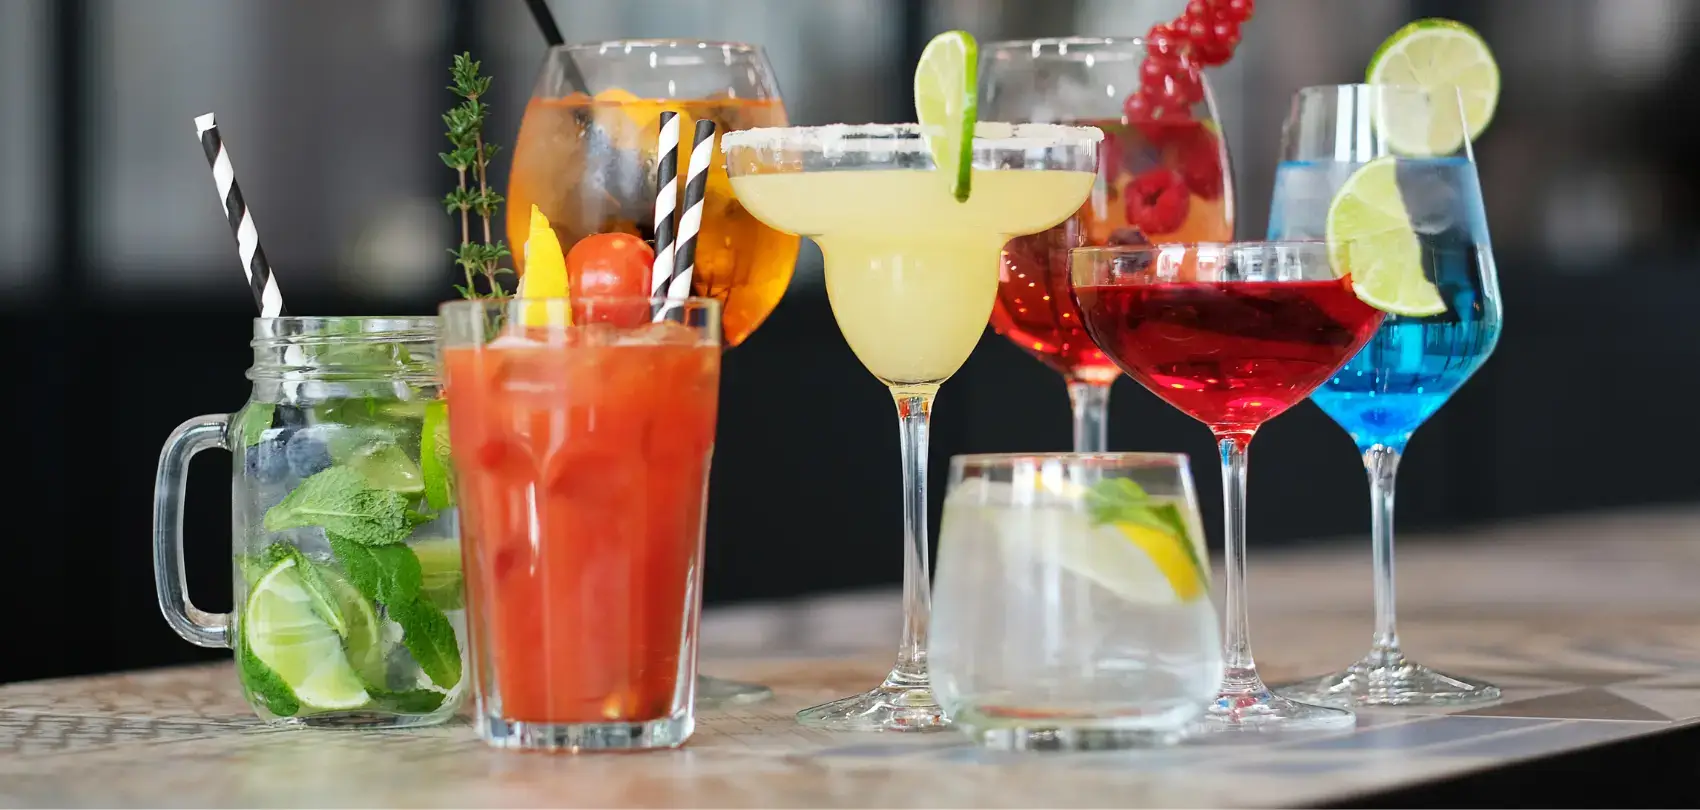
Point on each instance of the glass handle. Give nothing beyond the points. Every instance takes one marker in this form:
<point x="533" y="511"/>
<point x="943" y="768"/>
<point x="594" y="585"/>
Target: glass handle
<point x="193" y="624"/>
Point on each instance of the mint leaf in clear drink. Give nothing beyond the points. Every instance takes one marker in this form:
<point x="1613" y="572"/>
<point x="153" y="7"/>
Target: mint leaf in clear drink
<point x="253" y="421"/>
<point x="388" y="575"/>
<point x="431" y="639"/>
<point x="412" y="701"/>
<point x="439" y="561"/>
<point x="1120" y="500"/>
<point x="344" y="503"/>
<point x="263" y="685"/>
<point x="322" y="598"/>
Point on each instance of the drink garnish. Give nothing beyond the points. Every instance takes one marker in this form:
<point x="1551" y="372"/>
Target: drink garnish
<point x="545" y="273"/>
<point x="1157" y="201"/>
<point x="947" y="107"/>
<point x="1436" y="54"/>
<point x="343" y="502"/>
<point x="473" y="194"/>
<point x="1156" y="527"/>
<point x="434" y="456"/>
<point x="290" y="657"/>
<point x="1370" y="238"/>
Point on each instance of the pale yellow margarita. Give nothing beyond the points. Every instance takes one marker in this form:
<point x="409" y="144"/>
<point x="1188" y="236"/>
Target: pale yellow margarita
<point x="911" y="272"/>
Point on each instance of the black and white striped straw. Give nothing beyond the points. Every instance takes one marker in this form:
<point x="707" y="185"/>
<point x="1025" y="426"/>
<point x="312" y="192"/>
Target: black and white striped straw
<point x="690" y="222"/>
<point x="260" y="277"/>
<point x="666" y="197"/>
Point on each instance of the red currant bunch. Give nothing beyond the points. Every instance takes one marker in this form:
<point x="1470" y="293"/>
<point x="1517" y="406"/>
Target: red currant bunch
<point x="1205" y="35"/>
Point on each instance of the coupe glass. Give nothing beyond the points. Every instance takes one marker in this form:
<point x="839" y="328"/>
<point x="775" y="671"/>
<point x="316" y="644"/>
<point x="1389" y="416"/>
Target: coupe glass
<point x="1073" y="601"/>
<point x="1158" y="181"/>
<point x="586" y="157"/>
<point x="1232" y="335"/>
<point x="1413" y="364"/>
<point x="911" y="273"/>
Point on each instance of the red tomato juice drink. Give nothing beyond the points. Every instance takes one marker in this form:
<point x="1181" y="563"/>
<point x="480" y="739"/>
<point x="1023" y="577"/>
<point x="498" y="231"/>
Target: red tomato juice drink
<point x="581" y="455"/>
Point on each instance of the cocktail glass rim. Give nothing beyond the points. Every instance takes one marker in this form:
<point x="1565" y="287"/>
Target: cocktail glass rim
<point x="1124" y="459"/>
<point x="1100" y="252"/>
<point x="907" y="138"/>
<point x="655" y="44"/>
<point x="1058" y="47"/>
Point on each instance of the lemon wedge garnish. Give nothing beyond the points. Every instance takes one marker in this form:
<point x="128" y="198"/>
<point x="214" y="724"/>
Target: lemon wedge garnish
<point x="545" y="275"/>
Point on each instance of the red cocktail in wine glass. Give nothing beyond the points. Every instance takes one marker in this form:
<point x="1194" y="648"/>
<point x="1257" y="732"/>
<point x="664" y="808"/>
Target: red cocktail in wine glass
<point x="1232" y="334"/>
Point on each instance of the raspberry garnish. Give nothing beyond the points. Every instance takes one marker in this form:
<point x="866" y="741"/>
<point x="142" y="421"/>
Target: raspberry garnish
<point x="1195" y="152"/>
<point x="1204" y="35"/>
<point x="1157" y="201"/>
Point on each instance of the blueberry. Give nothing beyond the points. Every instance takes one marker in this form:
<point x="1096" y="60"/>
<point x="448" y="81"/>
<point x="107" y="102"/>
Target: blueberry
<point x="265" y="459"/>
<point x="289" y="416"/>
<point x="307" y="453"/>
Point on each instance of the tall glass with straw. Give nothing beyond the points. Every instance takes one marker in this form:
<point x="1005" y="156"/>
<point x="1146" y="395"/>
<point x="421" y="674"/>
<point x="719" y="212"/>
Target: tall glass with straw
<point x="346" y="557"/>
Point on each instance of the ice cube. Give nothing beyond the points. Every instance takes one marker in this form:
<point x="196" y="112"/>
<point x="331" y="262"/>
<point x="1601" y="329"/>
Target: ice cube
<point x="663" y="333"/>
<point x="1430" y="199"/>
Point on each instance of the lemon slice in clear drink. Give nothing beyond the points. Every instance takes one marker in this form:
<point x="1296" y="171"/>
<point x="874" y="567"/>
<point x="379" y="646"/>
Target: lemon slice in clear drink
<point x="946" y="106"/>
<point x="1436" y="55"/>
<point x="1370" y="237"/>
<point x="283" y="630"/>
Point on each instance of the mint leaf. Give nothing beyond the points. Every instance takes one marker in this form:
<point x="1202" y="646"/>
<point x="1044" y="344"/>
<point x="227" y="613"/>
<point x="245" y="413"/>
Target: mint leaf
<point x="264" y="686"/>
<point x="412" y="701"/>
<point x="387" y="575"/>
<point x="253" y="422"/>
<point x="319" y="592"/>
<point x="431" y="639"/>
<point x="343" y="502"/>
<point x="1120" y="500"/>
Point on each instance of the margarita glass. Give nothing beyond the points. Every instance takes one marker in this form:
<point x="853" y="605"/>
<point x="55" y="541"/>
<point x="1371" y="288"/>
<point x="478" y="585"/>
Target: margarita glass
<point x="911" y="273"/>
<point x="1232" y="335"/>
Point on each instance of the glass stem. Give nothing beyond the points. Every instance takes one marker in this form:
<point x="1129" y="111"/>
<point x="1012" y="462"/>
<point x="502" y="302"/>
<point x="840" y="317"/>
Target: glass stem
<point x="1091" y="403"/>
<point x="1382" y="463"/>
<point x="1239" y="670"/>
<point x="914" y="416"/>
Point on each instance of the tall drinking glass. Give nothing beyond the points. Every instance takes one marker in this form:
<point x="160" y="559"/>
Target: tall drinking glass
<point x="911" y="273"/>
<point x="1232" y="335"/>
<point x="586" y="157"/>
<point x="1414" y="363"/>
<point x="1073" y="601"/>
<point x="582" y="436"/>
<point x="1158" y="180"/>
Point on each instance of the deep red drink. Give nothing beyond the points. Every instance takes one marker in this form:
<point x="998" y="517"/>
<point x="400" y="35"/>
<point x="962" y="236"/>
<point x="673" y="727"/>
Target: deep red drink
<point x="1230" y="354"/>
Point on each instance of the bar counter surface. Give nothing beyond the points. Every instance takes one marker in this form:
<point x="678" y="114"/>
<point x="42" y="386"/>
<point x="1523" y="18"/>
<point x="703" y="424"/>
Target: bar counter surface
<point x="1591" y="625"/>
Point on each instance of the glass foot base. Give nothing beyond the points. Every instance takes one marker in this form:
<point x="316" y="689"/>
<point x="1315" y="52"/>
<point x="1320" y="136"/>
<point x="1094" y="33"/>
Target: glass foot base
<point x="667" y="732"/>
<point x="899" y="704"/>
<point x="1398" y="683"/>
<point x="714" y="693"/>
<point x="366" y="720"/>
<point x="1260" y="710"/>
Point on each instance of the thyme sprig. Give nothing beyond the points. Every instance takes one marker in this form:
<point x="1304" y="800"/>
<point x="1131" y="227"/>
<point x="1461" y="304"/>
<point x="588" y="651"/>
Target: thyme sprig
<point x="473" y="196"/>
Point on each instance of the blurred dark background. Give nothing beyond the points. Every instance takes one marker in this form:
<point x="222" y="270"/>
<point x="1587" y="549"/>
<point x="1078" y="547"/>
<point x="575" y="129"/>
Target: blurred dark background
<point x="121" y="292"/>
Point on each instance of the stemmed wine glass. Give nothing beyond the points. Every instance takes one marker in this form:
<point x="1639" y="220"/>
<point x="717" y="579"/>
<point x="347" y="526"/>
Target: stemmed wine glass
<point x="586" y="156"/>
<point x="1232" y="335"/>
<point x="1158" y="180"/>
<point x="910" y="272"/>
<point x="1415" y="362"/>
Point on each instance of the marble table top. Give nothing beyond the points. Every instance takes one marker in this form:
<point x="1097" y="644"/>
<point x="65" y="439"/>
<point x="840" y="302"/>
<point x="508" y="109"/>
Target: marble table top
<point x="1588" y="624"/>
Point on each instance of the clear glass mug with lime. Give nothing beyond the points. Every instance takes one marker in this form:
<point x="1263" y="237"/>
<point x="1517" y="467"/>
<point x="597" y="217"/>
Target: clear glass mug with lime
<point x="346" y="555"/>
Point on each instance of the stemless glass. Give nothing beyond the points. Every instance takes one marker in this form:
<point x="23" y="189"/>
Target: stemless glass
<point x="586" y="157"/>
<point x="1073" y="601"/>
<point x="1413" y="364"/>
<point x="1231" y="335"/>
<point x="1159" y="180"/>
<point x="911" y="273"/>
<point x="582" y="455"/>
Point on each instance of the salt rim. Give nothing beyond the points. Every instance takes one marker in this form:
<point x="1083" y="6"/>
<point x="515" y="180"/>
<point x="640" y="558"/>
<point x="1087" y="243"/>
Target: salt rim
<point x="892" y="138"/>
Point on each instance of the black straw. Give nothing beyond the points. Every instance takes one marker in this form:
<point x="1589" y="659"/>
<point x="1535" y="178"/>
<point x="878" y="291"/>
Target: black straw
<point x="546" y="22"/>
